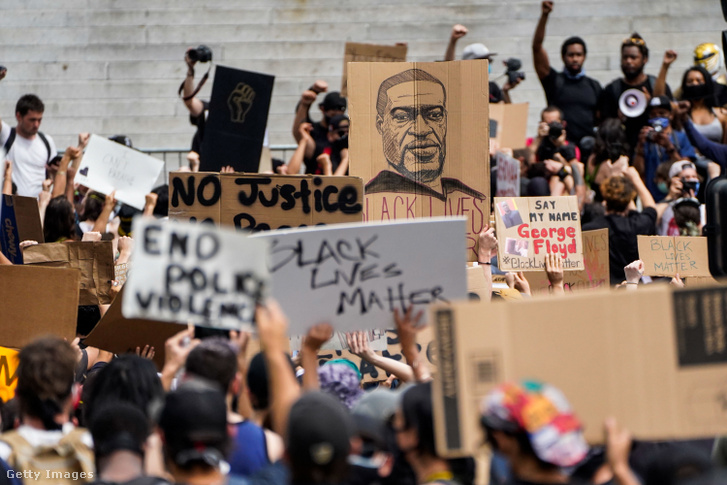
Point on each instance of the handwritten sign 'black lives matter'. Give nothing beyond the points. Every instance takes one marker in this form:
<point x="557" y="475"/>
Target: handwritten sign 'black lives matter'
<point x="354" y="275"/>
<point x="195" y="273"/>
<point x="260" y="202"/>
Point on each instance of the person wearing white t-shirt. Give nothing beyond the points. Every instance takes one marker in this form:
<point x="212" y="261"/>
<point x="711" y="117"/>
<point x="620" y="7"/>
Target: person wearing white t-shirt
<point x="29" y="150"/>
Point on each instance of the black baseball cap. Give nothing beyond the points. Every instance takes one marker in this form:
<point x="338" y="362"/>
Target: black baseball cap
<point x="334" y="100"/>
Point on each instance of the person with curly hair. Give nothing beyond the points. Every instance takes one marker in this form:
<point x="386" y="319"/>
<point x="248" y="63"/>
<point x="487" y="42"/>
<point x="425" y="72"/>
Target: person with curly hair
<point x="622" y="219"/>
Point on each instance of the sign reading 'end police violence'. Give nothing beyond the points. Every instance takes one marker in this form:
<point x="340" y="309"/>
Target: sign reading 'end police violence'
<point x="195" y="273"/>
<point x="354" y="275"/>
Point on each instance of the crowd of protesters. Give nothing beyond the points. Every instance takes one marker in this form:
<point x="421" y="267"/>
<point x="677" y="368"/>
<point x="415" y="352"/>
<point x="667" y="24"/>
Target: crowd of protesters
<point x="214" y="414"/>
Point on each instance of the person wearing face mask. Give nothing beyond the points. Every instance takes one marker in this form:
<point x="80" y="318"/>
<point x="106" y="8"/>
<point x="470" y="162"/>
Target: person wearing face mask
<point x="659" y="142"/>
<point x="679" y="214"/>
<point x="698" y="89"/>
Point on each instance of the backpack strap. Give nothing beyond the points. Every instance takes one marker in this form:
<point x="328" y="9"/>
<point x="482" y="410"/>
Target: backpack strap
<point x="11" y="139"/>
<point x="47" y="145"/>
<point x="21" y="451"/>
<point x="84" y="454"/>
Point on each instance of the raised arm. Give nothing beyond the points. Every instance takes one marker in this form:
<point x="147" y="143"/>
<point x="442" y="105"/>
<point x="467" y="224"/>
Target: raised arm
<point x="406" y="328"/>
<point x="540" y="57"/>
<point x="306" y="145"/>
<point x="646" y="199"/>
<point x="486" y="250"/>
<point x="660" y="86"/>
<point x="358" y="344"/>
<point x="306" y="100"/>
<point x="458" y="31"/>
<point x="193" y="104"/>
<point x="315" y="338"/>
<point x="8" y="178"/>
<point x="109" y="203"/>
<point x="59" y="183"/>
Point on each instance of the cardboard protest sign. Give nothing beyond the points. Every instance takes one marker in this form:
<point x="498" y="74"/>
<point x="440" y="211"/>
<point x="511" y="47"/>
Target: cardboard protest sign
<point x="376" y="339"/>
<point x="655" y="359"/>
<point x="195" y="273"/>
<point x="238" y="114"/>
<point x="371" y="373"/>
<point x="512" y="124"/>
<point x="529" y="228"/>
<point x="120" y="272"/>
<point x="107" y="166"/>
<point x="8" y="373"/>
<point x="20" y="222"/>
<point x="669" y="256"/>
<point x="120" y="335"/>
<point x="419" y="140"/>
<point x="596" y="266"/>
<point x="260" y="202"/>
<point x="95" y="260"/>
<point x="508" y="176"/>
<point x="37" y="301"/>
<point x="356" y="52"/>
<point x="354" y="275"/>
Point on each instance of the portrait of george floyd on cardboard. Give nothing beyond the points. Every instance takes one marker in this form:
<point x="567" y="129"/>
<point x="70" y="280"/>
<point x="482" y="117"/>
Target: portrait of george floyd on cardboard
<point x="419" y="140"/>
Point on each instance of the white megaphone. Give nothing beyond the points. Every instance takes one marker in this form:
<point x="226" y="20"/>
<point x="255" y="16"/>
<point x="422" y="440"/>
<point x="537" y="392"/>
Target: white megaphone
<point x="632" y="103"/>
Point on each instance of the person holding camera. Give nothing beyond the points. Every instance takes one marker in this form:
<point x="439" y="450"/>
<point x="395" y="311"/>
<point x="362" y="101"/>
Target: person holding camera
<point x="659" y="142"/>
<point x="679" y="214"/>
<point x="570" y="90"/>
<point x="480" y="51"/>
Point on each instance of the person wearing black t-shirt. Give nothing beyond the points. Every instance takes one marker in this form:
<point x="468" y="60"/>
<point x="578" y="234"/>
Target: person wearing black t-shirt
<point x="570" y="90"/>
<point x="634" y="56"/>
<point x="623" y="221"/>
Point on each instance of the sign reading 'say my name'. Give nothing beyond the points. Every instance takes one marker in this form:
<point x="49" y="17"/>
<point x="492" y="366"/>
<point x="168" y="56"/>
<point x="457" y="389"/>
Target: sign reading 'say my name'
<point x="354" y="275"/>
<point x="195" y="273"/>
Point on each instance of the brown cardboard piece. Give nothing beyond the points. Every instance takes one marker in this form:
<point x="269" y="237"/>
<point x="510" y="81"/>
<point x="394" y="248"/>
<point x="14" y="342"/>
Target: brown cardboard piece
<point x="436" y="160"/>
<point x="512" y="124"/>
<point x="371" y="373"/>
<point x="595" y="260"/>
<point x="356" y="52"/>
<point x="94" y="259"/>
<point x="27" y="216"/>
<point x="476" y="283"/>
<point x="37" y="301"/>
<point x="668" y="256"/>
<point x="529" y="228"/>
<point x="120" y="335"/>
<point x="654" y="358"/>
<point x="259" y="202"/>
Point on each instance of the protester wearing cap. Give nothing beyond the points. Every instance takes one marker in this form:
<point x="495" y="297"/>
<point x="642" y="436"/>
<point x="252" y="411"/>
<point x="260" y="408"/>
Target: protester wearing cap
<point x="333" y="104"/>
<point x="570" y="90"/>
<point x="659" y="142"/>
<point x="194" y="432"/>
<point x="478" y="51"/>
<point x="681" y="201"/>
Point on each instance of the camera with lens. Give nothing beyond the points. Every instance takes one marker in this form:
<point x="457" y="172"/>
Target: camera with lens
<point x="688" y="185"/>
<point x="658" y="126"/>
<point x="201" y="54"/>
<point x="513" y="74"/>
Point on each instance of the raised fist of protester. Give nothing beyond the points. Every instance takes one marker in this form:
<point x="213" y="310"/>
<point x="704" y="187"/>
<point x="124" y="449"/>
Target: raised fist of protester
<point x="72" y="152"/>
<point x="554" y="271"/>
<point x="458" y="31"/>
<point x="147" y="352"/>
<point x="83" y="139"/>
<point x="317" y="335"/>
<point x="305" y="129"/>
<point x="546" y="7"/>
<point x="681" y="110"/>
<point x="272" y="326"/>
<point x="308" y="97"/>
<point x="190" y="62"/>
<point x="486" y="244"/>
<point x="358" y="345"/>
<point x="110" y="200"/>
<point x="634" y="271"/>
<point x="669" y="57"/>
<point x="91" y="236"/>
<point x="320" y="86"/>
<point x="126" y="244"/>
<point x="176" y="349"/>
<point x="227" y="169"/>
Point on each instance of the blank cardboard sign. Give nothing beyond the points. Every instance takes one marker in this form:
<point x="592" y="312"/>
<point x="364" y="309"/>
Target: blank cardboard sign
<point x="419" y="140"/>
<point x="512" y="124"/>
<point x="356" y="52"/>
<point x="654" y="358"/>
<point x="36" y="301"/>
<point x="669" y="256"/>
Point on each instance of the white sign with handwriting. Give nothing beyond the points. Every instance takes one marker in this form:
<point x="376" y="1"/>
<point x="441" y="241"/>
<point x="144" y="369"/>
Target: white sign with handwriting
<point x="107" y="166"/>
<point x="353" y="276"/>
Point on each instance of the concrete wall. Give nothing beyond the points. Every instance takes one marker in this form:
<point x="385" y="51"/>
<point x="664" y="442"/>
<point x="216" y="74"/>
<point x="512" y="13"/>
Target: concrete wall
<point x="114" y="66"/>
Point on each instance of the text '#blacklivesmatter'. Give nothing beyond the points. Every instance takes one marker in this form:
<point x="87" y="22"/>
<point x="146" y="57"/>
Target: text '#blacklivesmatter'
<point x="353" y="270"/>
<point x="192" y="286"/>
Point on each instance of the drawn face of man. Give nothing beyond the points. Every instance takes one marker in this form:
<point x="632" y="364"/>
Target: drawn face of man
<point x="413" y="130"/>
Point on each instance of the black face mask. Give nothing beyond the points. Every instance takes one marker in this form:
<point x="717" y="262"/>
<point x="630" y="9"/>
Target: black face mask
<point x="698" y="91"/>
